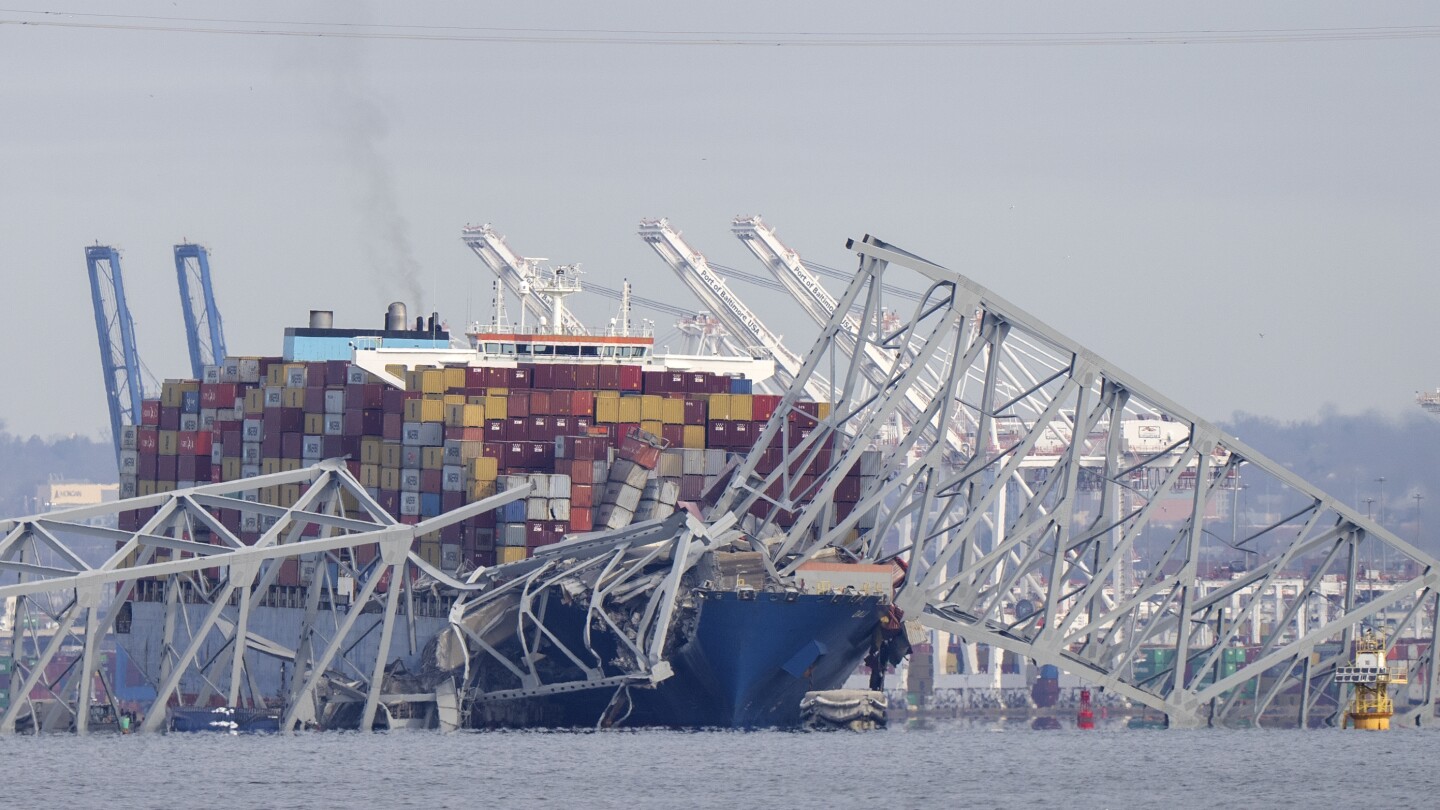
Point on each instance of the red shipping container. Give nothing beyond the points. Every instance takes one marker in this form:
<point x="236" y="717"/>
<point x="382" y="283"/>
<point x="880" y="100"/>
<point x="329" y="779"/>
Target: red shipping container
<point x="540" y="456"/>
<point x="763" y="406"/>
<point x="271" y="446"/>
<point x="518" y="377"/>
<point x="314" y="400"/>
<point x="150" y="412"/>
<point x="539" y="429"/>
<point x="217" y="395"/>
<point x="674" y="435"/>
<point x="582" y="426"/>
<point x="717" y="433"/>
<point x="465" y="434"/>
<point x="581" y="472"/>
<point x="741" y="435"/>
<point x="292" y="445"/>
<point x="695" y="411"/>
<point x="581" y="495"/>
<point x="581" y="520"/>
<point x="495" y="450"/>
<point x="692" y="487"/>
<point x="561" y="426"/>
<point x="587" y="377"/>
<point x="654" y="382"/>
<point x="431" y="480"/>
<point x="147" y="466"/>
<point x="495" y="430"/>
<point x="450" y="501"/>
<point x="848" y="490"/>
<point x="148" y="440"/>
<point x="475" y="378"/>
<point x="537" y="533"/>
<point x="338" y="446"/>
<point x="336" y="371"/>
<point x="517" y="429"/>
<point x="540" y="403"/>
<point x="169" y="418"/>
<point x="392" y="400"/>
<point x="167" y="468"/>
<point x="564" y="376"/>
<point x="557" y="530"/>
<point x="392" y="428"/>
<point x="230" y="443"/>
<point x="622" y="430"/>
<point x="197" y="443"/>
<point x="515" y="455"/>
<point x="365" y="396"/>
<point x="519" y="403"/>
<point x="607" y="377"/>
<point x="543" y="376"/>
<point x="582" y="403"/>
<point x="631" y="378"/>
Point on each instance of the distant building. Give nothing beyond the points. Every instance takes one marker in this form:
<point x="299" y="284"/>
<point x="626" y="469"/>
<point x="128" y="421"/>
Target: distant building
<point x="53" y="496"/>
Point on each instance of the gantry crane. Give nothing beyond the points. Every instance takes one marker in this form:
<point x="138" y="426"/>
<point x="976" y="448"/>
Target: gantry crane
<point x="119" y="360"/>
<point x="739" y="321"/>
<point x="204" y="333"/>
<point x="876" y="363"/>
<point x="519" y="275"/>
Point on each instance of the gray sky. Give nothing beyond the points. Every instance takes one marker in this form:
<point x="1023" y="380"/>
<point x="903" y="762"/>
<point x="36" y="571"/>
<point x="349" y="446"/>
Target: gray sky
<point x="1163" y="204"/>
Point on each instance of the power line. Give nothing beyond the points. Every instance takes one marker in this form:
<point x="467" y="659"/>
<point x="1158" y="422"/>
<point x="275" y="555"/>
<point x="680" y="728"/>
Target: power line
<point x="601" y="36"/>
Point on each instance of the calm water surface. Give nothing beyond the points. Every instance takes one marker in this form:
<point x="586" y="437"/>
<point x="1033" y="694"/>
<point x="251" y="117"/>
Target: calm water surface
<point x="944" y="766"/>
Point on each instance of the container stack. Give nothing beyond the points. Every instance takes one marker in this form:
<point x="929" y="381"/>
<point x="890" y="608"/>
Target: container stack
<point x="598" y="445"/>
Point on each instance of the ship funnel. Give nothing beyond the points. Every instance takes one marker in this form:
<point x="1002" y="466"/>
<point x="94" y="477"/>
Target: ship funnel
<point x="395" y="317"/>
<point x="322" y="319"/>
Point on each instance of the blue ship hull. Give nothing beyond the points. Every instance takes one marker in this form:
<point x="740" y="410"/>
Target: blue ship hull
<point x="747" y="663"/>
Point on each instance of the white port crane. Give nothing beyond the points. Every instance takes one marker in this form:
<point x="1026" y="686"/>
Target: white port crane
<point x="520" y="275"/>
<point x="737" y="318"/>
<point x="876" y="363"/>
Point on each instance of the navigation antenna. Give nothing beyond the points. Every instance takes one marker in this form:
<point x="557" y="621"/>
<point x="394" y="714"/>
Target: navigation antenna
<point x="501" y="319"/>
<point x="625" y="308"/>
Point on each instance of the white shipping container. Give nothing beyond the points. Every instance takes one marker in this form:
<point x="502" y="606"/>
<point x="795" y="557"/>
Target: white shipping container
<point x="129" y="487"/>
<point x="693" y="462"/>
<point x="334" y="401"/>
<point x="217" y="453"/>
<point x="129" y="436"/>
<point x="672" y="464"/>
<point x="355" y="375"/>
<point x="411" y="457"/>
<point x="252" y="430"/>
<point x="449" y="556"/>
<point x="189" y="422"/>
<point x="559" y="509"/>
<point x="541" y="488"/>
<point x="251" y="471"/>
<point x="511" y="534"/>
<point x="334" y="425"/>
<point x="559" y="486"/>
<point x="210" y="374"/>
<point x="452" y="478"/>
<point x="452" y="452"/>
<point x="714" y="461"/>
<point x="250" y="453"/>
<point x="410" y="482"/>
<point x="274" y="397"/>
<point x="537" y="508"/>
<point x="248" y="370"/>
<point x="230" y="370"/>
<point x="669" y="494"/>
<point x="410" y="503"/>
<point x="628" y="497"/>
<point x="312" y="447"/>
<point x="129" y="461"/>
<point x="295" y="377"/>
<point x="207" y="417"/>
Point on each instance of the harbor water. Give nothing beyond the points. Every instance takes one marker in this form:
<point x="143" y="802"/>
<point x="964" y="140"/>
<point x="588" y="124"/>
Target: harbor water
<point x="954" y="764"/>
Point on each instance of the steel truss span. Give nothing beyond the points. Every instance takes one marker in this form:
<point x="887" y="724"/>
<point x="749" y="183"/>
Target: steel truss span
<point x="1080" y="523"/>
<point x="76" y="583"/>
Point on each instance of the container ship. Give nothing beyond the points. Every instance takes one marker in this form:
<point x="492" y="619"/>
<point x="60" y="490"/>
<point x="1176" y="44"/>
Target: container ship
<point x="605" y="434"/>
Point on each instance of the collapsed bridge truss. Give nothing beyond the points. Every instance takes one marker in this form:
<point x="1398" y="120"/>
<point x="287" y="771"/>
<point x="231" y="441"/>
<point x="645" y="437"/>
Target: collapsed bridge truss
<point x="1074" y="530"/>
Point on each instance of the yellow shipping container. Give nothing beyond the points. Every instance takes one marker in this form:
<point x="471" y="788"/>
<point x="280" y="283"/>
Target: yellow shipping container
<point x="172" y="392"/>
<point x="741" y="407"/>
<point x="498" y="392"/>
<point x="292" y="398"/>
<point x="454" y="378"/>
<point x="694" y="437"/>
<point x="167" y="441"/>
<point x="824" y="409"/>
<point x="290" y="464"/>
<point x="390" y="455"/>
<point x="629" y="409"/>
<point x="474" y="416"/>
<point x="275" y="376"/>
<point x="369" y="475"/>
<point x="607" y="409"/>
<point x="424" y="410"/>
<point x="652" y="427"/>
<point x="314" y="423"/>
<point x="429" y="552"/>
<point x="230" y="469"/>
<point x="483" y="468"/>
<point x="479" y="490"/>
<point x="144" y="487"/>
<point x="370" y="450"/>
<point x="606" y="393"/>
<point x="454" y="415"/>
<point x="389" y="478"/>
<point x="432" y="381"/>
<point x="719" y="406"/>
<point x="269" y="466"/>
<point x="453" y="399"/>
<point x="289" y="494"/>
<point x="254" y="401"/>
<point x="496" y="406"/>
<point x="162" y="487"/>
<point x="651" y="408"/>
<point x="509" y="554"/>
<point x="398" y="371"/>
<point x="432" y="458"/>
<point x="672" y="411"/>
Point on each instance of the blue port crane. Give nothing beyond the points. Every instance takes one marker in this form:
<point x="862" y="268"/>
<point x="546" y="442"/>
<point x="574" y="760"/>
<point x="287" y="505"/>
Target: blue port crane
<point x="119" y="360"/>
<point x="204" y="333"/>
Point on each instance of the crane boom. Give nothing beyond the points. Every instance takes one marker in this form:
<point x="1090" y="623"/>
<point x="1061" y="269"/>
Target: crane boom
<point x="737" y="318"/>
<point x="518" y="274"/>
<point x="204" y="332"/>
<point x="119" y="359"/>
<point x="820" y="305"/>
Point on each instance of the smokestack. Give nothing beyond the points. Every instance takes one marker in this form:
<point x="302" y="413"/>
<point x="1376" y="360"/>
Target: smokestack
<point x="419" y="323"/>
<point x="434" y="316"/>
<point x="395" y="317"/>
<point x="322" y="319"/>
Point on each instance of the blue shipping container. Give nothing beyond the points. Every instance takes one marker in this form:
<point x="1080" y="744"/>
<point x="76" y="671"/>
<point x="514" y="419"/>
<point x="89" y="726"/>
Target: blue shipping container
<point x="189" y="402"/>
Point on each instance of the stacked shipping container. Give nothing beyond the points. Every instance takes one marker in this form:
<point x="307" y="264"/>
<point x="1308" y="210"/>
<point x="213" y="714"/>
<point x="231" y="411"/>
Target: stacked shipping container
<point x="460" y="434"/>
